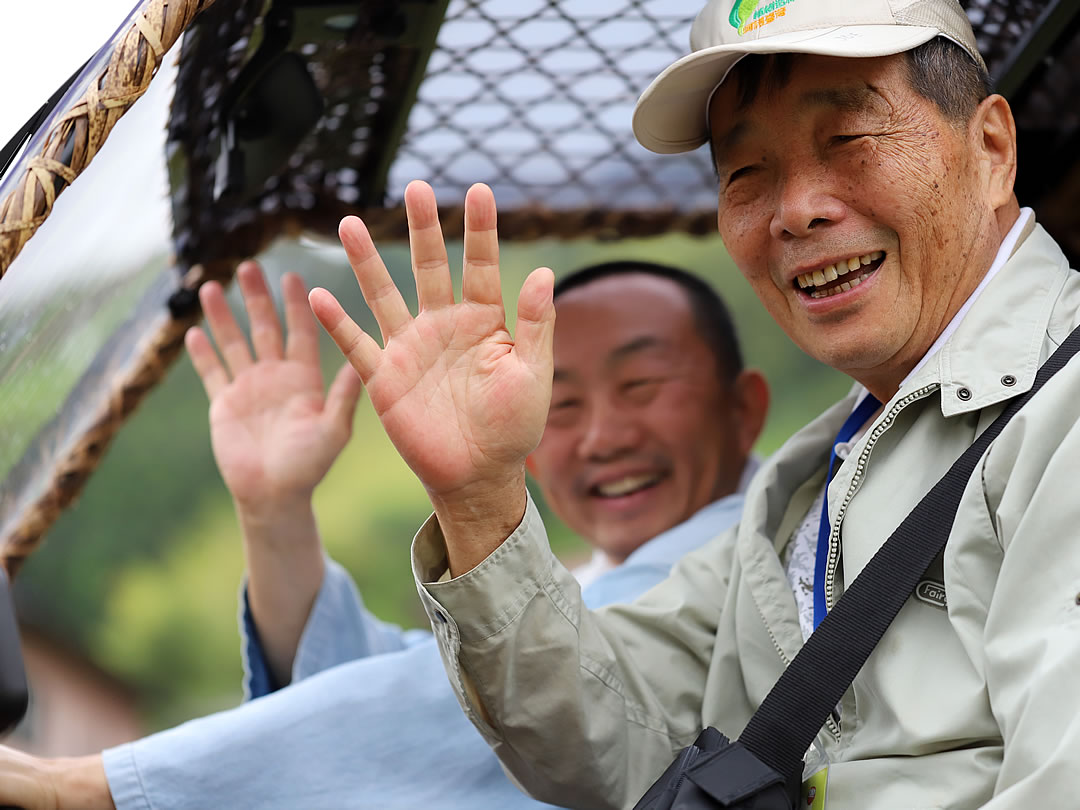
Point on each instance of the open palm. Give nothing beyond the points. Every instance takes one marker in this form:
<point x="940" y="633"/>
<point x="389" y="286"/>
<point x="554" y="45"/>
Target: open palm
<point x="463" y="402"/>
<point x="274" y="432"/>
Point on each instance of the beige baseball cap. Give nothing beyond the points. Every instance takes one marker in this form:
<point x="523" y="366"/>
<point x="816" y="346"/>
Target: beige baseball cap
<point x="670" y="115"/>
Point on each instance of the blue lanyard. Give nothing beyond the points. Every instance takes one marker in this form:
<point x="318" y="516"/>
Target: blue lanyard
<point x="858" y="418"/>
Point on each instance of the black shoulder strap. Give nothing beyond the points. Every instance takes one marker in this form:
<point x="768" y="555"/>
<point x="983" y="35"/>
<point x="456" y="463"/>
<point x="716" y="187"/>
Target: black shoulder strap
<point x="798" y="705"/>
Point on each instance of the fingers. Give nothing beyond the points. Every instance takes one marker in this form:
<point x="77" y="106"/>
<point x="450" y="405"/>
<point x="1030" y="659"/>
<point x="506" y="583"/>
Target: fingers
<point x="359" y="348"/>
<point x="302" y="343"/>
<point x="205" y="360"/>
<point x="536" y="322"/>
<point x="343" y="396"/>
<point x="228" y="336"/>
<point x="265" y="326"/>
<point x="480" y="277"/>
<point x="379" y="290"/>
<point x="430" y="267"/>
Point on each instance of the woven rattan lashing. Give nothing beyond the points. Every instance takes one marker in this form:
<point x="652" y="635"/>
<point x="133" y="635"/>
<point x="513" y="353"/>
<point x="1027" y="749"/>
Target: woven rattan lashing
<point x="75" y="137"/>
<point x="72" y="463"/>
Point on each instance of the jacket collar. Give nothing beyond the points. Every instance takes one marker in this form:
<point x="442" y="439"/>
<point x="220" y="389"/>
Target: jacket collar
<point x="996" y="350"/>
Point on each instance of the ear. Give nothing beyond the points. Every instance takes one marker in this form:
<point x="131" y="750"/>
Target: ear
<point x="994" y="131"/>
<point x="752" y="406"/>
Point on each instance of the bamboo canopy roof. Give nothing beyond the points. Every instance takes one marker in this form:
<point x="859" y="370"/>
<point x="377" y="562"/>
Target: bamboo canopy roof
<point x="289" y="114"/>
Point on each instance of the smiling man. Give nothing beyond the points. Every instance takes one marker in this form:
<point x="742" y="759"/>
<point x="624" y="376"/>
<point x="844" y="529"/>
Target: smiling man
<point x="679" y="398"/>
<point x="866" y="192"/>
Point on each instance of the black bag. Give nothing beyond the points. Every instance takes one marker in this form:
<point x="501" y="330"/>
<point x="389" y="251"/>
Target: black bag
<point x="715" y="772"/>
<point x="762" y="770"/>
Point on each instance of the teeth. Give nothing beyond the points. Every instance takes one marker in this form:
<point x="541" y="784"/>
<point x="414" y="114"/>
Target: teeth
<point x="624" y="486"/>
<point x="819" y="278"/>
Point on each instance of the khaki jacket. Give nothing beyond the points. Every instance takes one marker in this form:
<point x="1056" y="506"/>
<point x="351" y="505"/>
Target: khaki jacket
<point x="970" y="699"/>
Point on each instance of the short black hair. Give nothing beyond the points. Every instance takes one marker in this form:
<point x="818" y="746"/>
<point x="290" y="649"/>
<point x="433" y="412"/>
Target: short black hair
<point x="711" y="315"/>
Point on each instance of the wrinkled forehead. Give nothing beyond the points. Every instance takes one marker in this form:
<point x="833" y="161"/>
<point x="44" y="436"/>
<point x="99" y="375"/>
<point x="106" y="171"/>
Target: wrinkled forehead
<point x="761" y="86"/>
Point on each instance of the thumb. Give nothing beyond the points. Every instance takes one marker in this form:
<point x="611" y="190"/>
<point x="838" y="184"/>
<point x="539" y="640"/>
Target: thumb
<point x="536" y="321"/>
<point x="343" y="396"/>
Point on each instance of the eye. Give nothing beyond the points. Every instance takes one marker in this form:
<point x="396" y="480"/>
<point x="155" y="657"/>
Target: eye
<point x="564" y="413"/>
<point x="640" y="389"/>
<point x="735" y="175"/>
<point x="565" y="404"/>
<point x="847" y="138"/>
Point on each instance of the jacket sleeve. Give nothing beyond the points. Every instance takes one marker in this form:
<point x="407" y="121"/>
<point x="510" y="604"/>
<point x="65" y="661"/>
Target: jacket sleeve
<point x="339" y="629"/>
<point x="584" y="709"/>
<point x="1032" y="630"/>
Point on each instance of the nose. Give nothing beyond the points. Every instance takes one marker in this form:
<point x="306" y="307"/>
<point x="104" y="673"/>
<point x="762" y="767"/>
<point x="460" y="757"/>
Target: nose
<point x="609" y="433"/>
<point x="804" y="204"/>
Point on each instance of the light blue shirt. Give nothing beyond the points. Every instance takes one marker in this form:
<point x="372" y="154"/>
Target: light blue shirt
<point x="370" y="720"/>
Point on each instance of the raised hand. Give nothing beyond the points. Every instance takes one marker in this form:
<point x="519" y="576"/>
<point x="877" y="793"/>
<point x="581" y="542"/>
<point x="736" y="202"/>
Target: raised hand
<point x="462" y="401"/>
<point x="275" y="435"/>
<point x="274" y="432"/>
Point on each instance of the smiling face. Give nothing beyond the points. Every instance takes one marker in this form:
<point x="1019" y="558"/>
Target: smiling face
<point x="861" y="215"/>
<point x="642" y="432"/>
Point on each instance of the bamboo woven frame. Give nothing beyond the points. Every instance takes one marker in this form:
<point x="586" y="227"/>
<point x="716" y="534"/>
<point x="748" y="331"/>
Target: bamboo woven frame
<point x="74" y="462"/>
<point x="68" y="148"/>
<point x="75" y="138"/>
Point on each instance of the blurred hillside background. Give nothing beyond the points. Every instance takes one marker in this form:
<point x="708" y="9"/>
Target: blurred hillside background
<point x="142" y="574"/>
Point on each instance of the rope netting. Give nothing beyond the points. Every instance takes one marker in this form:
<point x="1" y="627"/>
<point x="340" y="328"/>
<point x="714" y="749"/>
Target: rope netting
<point x="536" y="97"/>
<point x="533" y="97"/>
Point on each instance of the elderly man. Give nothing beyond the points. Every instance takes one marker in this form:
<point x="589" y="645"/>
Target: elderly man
<point x="866" y="193"/>
<point x="647" y="439"/>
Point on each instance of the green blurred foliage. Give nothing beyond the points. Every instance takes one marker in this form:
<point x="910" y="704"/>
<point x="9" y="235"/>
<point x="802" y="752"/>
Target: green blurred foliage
<point x="143" y="572"/>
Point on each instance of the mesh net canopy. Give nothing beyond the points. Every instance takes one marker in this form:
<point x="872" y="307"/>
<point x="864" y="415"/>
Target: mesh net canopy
<point x="533" y="97"/>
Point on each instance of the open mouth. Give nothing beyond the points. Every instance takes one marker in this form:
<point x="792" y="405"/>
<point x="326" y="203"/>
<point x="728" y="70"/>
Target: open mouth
<point x="625" y="486"/>
<point x="837" y="278"/>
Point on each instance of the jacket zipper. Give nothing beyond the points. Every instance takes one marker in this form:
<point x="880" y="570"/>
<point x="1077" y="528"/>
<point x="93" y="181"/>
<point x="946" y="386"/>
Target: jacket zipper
<point x="830" y="723"/>
<point x="860" y="468"/>
<point x="834" y="537"/>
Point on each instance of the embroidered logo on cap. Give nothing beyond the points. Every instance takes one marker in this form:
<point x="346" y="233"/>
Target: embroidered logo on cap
<point x="746" y="16"/>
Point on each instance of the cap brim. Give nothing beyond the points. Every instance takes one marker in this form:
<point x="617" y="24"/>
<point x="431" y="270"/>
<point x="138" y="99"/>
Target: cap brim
<point x="670" y="114"/>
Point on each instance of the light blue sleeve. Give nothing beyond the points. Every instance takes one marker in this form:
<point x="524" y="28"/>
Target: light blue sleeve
<point x="381" y="732"/>
<point x="384" y="731"/>
<point x="339" y="629"/>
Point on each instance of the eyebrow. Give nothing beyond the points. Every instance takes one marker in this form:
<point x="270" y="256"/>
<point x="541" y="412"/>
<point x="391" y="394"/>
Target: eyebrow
<point x="616" y="356"/>
<point x="561" y="375"/>
<point x="728" y="140"/>
<point x="634" y="346"/>
<point x="849" y="99"/>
